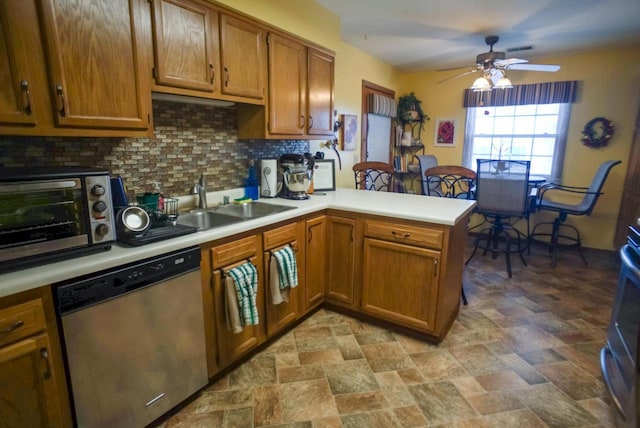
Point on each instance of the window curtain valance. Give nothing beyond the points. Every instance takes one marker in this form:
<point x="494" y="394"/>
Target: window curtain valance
<point x="537" y="93"/>
<point x="382" y="105"/>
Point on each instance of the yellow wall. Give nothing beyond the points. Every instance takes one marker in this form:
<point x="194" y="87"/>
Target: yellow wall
<point x="610" y="87"/>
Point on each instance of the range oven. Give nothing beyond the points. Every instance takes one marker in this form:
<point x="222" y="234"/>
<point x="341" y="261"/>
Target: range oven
<point x="53" y="213"/>
<point x="619" y="357"/>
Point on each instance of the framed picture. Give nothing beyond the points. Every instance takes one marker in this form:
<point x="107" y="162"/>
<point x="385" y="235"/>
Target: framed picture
<point x="348" y="131"/>
<point x="445" y="133"/>
<point x="324" y="174"/>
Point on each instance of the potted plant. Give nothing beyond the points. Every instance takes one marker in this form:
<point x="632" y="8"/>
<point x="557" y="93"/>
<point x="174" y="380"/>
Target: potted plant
<point x="410" y="112"/>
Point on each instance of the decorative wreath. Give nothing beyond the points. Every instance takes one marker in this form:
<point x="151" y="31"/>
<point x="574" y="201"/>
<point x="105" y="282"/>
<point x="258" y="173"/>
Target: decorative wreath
<point x="597" y="132"/>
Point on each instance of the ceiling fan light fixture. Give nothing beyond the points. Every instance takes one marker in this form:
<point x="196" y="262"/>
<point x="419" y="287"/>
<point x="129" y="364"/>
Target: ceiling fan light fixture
<point x="503" y="83"/>
<point x="481" y="84"/>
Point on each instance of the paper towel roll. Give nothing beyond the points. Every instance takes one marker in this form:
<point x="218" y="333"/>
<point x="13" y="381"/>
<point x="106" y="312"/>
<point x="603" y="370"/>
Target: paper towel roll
<point x="269" y="178"/>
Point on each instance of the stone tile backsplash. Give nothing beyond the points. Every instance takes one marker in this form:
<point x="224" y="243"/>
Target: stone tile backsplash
<point x="189" y="140"/>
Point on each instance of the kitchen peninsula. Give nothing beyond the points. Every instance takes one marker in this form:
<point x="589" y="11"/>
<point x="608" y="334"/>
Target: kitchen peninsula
<point x="387" y="257"/>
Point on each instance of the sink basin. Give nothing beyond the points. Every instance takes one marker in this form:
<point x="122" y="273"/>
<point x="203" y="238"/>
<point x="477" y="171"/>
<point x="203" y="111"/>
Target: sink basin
<point x="203" y="220"/>
<point x="251" y="209"/>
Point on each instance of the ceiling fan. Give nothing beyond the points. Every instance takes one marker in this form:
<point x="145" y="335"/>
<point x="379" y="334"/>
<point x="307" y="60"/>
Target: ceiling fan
<point x="492" y="65"/>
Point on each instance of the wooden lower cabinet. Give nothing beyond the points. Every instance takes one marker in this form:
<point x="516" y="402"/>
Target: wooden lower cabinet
<point x="230" y="345"/>
<point x="315" y="261"/>
<point x="400" y="283"/>
<point x="32" y="384"/>
<point x="283" y="314"/>
<point x="342" y="238"/>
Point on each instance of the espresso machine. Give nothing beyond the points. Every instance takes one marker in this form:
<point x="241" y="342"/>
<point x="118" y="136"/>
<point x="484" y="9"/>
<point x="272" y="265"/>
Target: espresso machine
<point x="295" y="173"/>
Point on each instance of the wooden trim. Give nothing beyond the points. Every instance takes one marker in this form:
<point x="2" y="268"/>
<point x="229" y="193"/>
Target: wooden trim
<point x="367" y="89"/>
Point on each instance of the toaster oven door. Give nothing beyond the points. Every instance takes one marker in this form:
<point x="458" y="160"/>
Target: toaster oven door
<point x="39" y="217"/>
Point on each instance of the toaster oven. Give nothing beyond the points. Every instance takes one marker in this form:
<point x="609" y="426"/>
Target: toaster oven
<point x="49" y="214"/>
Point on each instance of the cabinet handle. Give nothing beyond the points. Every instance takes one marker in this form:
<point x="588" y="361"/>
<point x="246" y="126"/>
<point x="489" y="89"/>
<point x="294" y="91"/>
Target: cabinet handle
<point x="213" y="72"/>
<point x="310" y="230"/>
<point x="226" y="76"/>
<point x="25" y="88"/>
<point x="301" y="121"/>
<point x="352" y="237"/>
<point x="310" y="121"/>
<point x="14" y="326"/>
<point x="45" y="355"/>
<point x="400" y="234"/>
<point x="435" y="267"/>
<point x="60" y="92"/>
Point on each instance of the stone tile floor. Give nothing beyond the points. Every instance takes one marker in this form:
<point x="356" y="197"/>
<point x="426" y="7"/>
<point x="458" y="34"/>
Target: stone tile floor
<point x="523" y="353"/>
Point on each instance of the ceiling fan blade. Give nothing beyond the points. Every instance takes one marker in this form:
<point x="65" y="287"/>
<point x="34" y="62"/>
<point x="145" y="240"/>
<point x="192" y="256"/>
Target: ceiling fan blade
<point x="533" y="67"/>
<point x="459" y="75"/>
<point x="455" y="68"/>
<point x="509" y="61"/>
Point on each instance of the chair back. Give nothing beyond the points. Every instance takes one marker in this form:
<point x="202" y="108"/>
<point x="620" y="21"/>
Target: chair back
<point x="425" y="162"/>
<point x="502" y="187"/>
<point x="597" y="183"/>
<point x="374" y="176"/>
<point x="450" y="181"/>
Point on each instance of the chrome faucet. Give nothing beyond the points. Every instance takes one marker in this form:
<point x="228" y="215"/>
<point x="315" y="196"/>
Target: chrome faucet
<point x="201" y="189"/>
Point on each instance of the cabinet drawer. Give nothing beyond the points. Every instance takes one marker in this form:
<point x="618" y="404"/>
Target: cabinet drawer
<point x="280" y="236"/>
<point x="232" y="252"/>
<point x="22" y="320"/>
<point x="412" y="235"/>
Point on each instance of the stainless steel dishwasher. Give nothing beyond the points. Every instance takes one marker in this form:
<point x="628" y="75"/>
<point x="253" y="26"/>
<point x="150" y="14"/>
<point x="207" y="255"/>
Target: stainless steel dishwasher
<point x="134" y="339"/>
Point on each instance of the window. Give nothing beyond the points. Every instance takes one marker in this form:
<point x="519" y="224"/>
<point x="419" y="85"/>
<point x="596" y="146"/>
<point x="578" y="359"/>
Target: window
<point x="534" y="132"/>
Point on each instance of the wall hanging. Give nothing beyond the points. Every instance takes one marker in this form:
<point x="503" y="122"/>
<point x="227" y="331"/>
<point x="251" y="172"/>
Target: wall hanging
<point x="597" y="132"/>
<point x="445" y="133"/>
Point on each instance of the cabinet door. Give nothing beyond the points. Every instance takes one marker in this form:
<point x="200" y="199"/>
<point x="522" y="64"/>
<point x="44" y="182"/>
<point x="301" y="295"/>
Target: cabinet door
<point x="287" y="86"/>
<point x="400" y="283"/>
<point x="232" y="346"/>
<point x="281" y="315"/>
<point x="341" y="253"/>
<point x="241" y="47"/>
<point x="94" y="66"/>
<point x="320" y="93"/>
<point x="16" y="106"/>
<point x="186" y="45"/>
<point x="316" y="261"/>
<point x="28" y="385"/>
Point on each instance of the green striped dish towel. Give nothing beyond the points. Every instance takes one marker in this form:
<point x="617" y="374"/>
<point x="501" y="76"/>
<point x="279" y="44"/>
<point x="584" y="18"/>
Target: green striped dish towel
<point x="245" y="278"/>
<point x="287" y="267"/>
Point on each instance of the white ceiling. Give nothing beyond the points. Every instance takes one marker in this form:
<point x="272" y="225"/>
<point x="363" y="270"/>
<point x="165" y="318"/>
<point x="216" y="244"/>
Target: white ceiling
<point x="438" y="34"/>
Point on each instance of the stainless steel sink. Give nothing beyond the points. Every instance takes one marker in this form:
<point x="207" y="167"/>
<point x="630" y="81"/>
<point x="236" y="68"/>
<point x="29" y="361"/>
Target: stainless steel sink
<point x="203" y="220"/>
<point x="251" y="210"/>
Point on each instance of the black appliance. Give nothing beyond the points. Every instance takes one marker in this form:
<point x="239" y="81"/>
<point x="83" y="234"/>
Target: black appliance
<point x="295" y="173"/>
<point x="53" y="213"/>
<point x="619" y="356"/>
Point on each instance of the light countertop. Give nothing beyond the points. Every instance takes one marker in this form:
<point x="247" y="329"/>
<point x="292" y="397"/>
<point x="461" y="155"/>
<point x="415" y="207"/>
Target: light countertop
<point x="404" y="206"/>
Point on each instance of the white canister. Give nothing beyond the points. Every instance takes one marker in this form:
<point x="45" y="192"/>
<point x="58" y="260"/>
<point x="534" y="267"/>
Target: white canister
<point x="269" y="178"/>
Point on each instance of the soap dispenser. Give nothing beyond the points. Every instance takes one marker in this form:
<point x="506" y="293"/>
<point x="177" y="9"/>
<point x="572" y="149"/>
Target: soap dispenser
<point x="251" y="184"/>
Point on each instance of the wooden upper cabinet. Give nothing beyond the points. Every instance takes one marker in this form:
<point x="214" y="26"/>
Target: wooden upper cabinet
<point x="287" y="86"/>
<point x="185" y="36"/>
<point x="300" y="105"/>
<point x="94" y="66"/>
<point x="16" y="104"/>
<point x="320" y="89"/>
<point x="242" y="51"/>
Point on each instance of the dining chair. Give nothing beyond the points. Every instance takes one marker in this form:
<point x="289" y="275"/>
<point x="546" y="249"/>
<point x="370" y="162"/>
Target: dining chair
<point x="450" y="181"/>
<point x="374" y="176"/>
<point x="425" y="162"/>
<point x="502" y="195"/>
<point x="547" y="200"/>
